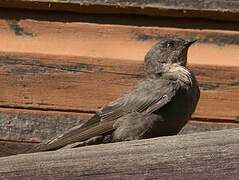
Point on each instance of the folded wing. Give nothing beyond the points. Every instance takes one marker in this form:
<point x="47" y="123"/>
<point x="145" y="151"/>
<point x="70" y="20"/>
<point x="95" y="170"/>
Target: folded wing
<point x="146" y="97"/>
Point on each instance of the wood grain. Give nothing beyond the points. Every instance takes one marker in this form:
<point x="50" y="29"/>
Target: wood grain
<point x="216" y="9"/>
<point x="9" y="148"/>
<point x="36" y="126"/>
<point x="23" y="125"/>
<point x="208" y="155"/>
<point x="72" y="60"/>
<point x="78" y="84"/>
<point x="56" y="71"/>
<point x="21" y="129"/>
<point x="48" y="36"/>
<point x="27" y="128"/>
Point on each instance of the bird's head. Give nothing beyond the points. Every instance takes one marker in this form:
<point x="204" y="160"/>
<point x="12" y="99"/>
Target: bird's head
<point x="168" y="50"/>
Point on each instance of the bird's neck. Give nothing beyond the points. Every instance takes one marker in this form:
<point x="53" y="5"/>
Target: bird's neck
<point x="173" y="72"/>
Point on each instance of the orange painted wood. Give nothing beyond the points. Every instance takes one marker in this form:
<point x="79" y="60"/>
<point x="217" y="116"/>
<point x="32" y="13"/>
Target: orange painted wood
<point x="78" y="84"/>
<point x="215" y="47"/>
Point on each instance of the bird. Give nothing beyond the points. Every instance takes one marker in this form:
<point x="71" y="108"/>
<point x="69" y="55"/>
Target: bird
<point x="158" y="105"/>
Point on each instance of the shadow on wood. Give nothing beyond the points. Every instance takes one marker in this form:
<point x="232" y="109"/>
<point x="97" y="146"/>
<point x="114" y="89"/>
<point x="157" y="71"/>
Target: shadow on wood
<point x="208" y="155"/>
<point x="216" y="9"/>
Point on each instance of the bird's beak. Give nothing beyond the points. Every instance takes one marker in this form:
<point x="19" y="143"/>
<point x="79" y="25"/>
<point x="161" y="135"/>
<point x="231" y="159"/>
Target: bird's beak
<point x="189" y="42"/>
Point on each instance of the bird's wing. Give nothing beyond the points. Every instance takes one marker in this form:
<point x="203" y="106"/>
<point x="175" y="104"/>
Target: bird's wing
<point x="146" y="97"/>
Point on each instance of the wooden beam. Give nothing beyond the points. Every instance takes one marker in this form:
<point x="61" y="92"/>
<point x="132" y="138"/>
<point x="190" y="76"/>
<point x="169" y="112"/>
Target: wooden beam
<point x="9" y="148"/>
<point x="216" y="9"/>
<point x="35" y="126"/>
<point x="34" y="34"/>
<point x="71" y="60"/>
<point x="62" y="83"/>
<point x="209" y="155"/>
<point x="22" y="128"/>
<point x="23" y="139"/>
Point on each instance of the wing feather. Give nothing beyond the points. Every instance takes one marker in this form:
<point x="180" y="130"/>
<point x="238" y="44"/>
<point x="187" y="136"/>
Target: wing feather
<point x="146" y="97"/>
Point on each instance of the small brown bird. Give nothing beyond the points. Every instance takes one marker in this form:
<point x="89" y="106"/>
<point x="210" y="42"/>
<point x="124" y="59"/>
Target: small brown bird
<point x="159" y="105"/>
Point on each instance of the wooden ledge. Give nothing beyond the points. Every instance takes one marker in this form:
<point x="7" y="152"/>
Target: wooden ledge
<point x="208" y="155"/>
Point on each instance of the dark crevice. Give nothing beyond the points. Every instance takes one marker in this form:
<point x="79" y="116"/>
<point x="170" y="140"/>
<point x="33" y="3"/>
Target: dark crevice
<point x="70" y="68"/>
<point x="88" y="111"/>
<point x="18" y="30"/>
<point x="75" y="68"/>
<point x="209" y="86"/>
<point x="234" y="84"/>
<point x="18" y="141"/>
<point x="117" y="19"/>
<point x="214" y="120"/>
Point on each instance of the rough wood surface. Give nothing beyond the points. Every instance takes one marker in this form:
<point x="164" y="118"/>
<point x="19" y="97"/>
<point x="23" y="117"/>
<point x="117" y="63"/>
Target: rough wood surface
<point x="51" y="65"/>
<point x="34" y="34"/>
<point x="17" y="139"/>
<point x="89" y="56"/>
<point x="20" y="129"/>
<point x="216" y="9"/>
<point x="85" y="84"/>
<point x="36" y="126"/>
<point x="8" y="148"/>
<point x="209" y="155"/>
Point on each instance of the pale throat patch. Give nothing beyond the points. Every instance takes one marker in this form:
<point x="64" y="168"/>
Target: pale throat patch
<point x="182" y="72"/>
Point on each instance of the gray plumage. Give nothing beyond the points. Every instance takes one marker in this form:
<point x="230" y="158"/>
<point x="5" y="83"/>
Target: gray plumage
<point x="159" y="105"/>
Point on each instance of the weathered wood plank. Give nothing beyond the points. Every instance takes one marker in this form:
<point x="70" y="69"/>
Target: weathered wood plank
<point x="215" y="47"/>
<point x="21" y="130"/>
<point x="216" y="9"/>
<point x="78" y="84"/>
<point x="210" y="155"/>
<point x="114" y="19"/>
<point x="196" y="126"/>
<point x="8" y="148"/>
<point x="36" y="126"/>
<point x="112" y="64"/>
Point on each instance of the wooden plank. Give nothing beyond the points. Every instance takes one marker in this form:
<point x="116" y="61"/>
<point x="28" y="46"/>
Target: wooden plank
<point x="12" y="147"/>
<point x="22" y="125"/>
<point x="114" y="19"/>
<point x="21" y="130"/>
<point x="196" y="126"/>
<point x="9" y="148"/>
<point x="35" y="126"/>
<point x="70" y="84"/>
<point x="112" y="41"/>
<point x="114" y="52"/>
<point x="210" y="155"/>
<point x="216" y="9"/>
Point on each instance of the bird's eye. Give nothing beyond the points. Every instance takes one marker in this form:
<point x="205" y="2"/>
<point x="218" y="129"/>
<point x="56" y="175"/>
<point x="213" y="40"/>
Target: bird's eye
<point x="170" y="44"/>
